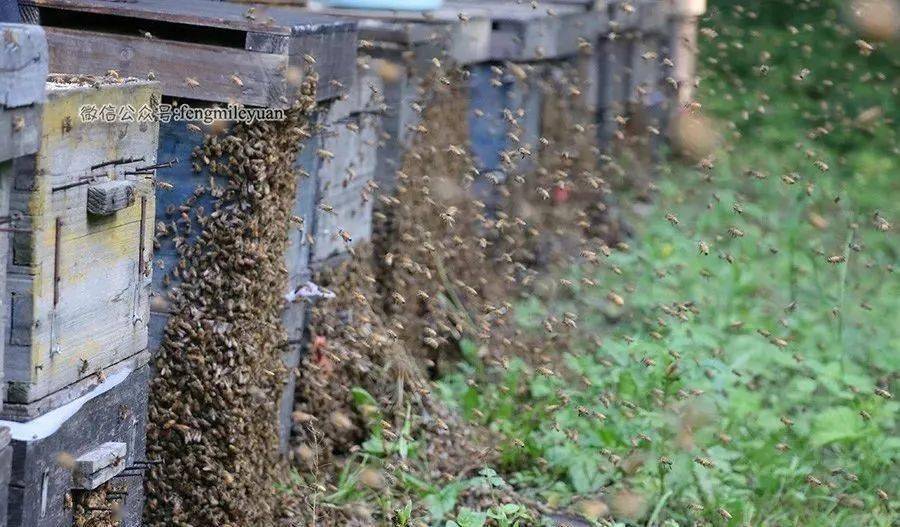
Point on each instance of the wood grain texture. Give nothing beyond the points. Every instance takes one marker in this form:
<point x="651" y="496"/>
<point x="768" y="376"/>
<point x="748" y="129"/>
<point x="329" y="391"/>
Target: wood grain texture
<point x="107" y="197"/>
<point x="210" y="43"/>
<point x="6" y="178"/>
<point x="20" y="131"/>
<point x="522" y="33"/>
<point x="6" y="455"/>
<point x="172" y="62"/>
<point x="119" y="415"/>
<point x="77" y="301"/>
<point x="333" y="48"/>
<point x="24" y="412"/>
<point x="202" y="13"/>
<point x="397" y="122"/>
<point x="344" y="212"/>
<point x="462" y="42"/>
<point x="23" y="65"/>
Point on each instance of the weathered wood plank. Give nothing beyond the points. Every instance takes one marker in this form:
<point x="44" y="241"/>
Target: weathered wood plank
<point x="24" y="412"/>
<point x="333" y="48"/>
<point x="201" y="50"/>
<point x="110" y="468"/>
<point x="522" y="33"/>
<point x="190" y="12"/>
<point x="5" y="190"/>
<point x="115" y="411"/>
<point x="344" y="215"/>
<point x="6" y="455"/>
<point x="176" y="65"/>
<point x="105" y="198"/>
<point x="398" y="119"/>
<point x="23" y="65"/>
<point x="78" y="286"/>
<point x="463" y="42"/>
<point x="20" y="131"/>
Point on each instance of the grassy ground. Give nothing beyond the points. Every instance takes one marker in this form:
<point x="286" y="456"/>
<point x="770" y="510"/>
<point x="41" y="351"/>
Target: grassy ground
<point x="735" y="365"/>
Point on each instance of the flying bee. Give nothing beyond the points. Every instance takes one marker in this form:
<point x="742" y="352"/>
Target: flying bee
<point x="671" y="218"/>
<point x="884" y="394"/>
<point x="704" y="462"/>
<point x="703" y="247"/>
<point x="191" y="82"/>
<point x="865" y="49"/>
<point x="237" y="80"/>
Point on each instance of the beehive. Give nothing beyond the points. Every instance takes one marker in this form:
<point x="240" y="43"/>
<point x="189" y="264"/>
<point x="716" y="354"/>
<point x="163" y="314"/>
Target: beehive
<point x="632" y="71"/>
<point x="345" y="170"/>
<point x="93" y="443"/>
<point x="505" y="103"/>
<point x="78" y="282"/>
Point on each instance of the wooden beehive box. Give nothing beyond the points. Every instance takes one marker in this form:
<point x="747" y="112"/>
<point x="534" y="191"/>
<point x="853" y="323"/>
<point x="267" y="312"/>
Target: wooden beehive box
<point x="96" y="439"/>
<point x="78" y="280"/>
<point x="23" y="72"/>
<point x="344" y="193"/>
<point x="533" y="40"/>
<point x="200" y="50"/>
<point x="401" y="47"/>
<point x="648" y="26"/>
<point x="520" y="32"/>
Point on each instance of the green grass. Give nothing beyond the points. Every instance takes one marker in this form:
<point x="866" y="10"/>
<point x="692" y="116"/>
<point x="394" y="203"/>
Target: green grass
<point x="742" y="382"/>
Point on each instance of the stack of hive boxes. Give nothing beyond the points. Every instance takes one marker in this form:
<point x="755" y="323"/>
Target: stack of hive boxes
<point x="77" y="300"/>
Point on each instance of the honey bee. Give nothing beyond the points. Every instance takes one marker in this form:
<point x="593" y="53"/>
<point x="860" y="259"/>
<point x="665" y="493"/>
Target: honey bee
<point x="703" y="247"/>
<point x="884" y="394"/>
<point x="704" y="462"/>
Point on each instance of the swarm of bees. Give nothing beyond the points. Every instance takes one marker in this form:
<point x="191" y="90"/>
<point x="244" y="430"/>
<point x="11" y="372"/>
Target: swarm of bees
<point x="101" y="507"/>
<point x="213" y="402"/>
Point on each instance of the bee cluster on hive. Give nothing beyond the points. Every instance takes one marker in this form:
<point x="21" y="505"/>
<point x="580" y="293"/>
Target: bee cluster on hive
<point x="213" y="406"/>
